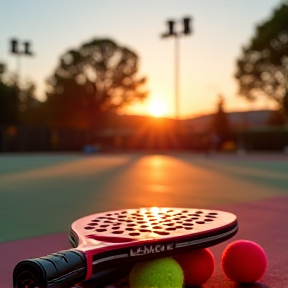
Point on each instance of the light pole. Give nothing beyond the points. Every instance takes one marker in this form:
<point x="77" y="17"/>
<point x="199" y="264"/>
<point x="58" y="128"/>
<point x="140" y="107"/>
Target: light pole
<point x="186" y="30"/>
<point x="24" y="50"/>
<point x="18" y="52"/>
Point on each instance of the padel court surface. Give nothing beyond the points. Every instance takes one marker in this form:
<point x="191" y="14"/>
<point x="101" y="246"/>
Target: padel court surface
<point x="42" y="194"/>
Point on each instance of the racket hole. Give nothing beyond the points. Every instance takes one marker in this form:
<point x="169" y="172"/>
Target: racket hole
<point x="157" y="227"/>
<point x="178" y="227"/>
<point x="129" y="229"/>
<point x="144" y="230"/>
<point x="141" y="222"/>
<point x="124" y="212"/>
<point x="179" y="222"/>
<point x="107" y="221"/>
<point x="101" y="217"/>
<point x="188" y="228"/>
<point x="104" y="226"/>
<point x="88" y="227"/>
<point x="148" y="212"/>
<point x="92" y="224"/>
<point x="200" y="222"/>
<point x="212" y="213"/>
<point x="169" y="224"/>
<point x="121" y="216"/>
<point x="108" y="214"/>
<point x="195" y="218"/>
<point x="163" y="233"/>
<point x="115" y="228"/>
<point x="95" y="220"/>
<point x="134" y="234"/>
<point x="188" y="224"/>
<point x="170" y="228"/>
<point x="184" y="211"/>
<point x="131" y="224"/>
<point x="188" y="220"/>
<point x="101" y="230"/>
<point x="116" y="224"/>
<point x="150" y="215"/>
<point x="144" y="226"/>
<point x="208" y="220"/>
<point x="117" y="232"/>
<point x="129" y="221"/>
<point x="177" y="218"/>
<point x="199" y="212"/>
<point x="210" y="216"/>
<point x="169" y="211"/>
<point x="183" y="217"/>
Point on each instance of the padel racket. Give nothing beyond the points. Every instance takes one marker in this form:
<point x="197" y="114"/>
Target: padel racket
<point x="109" y="239"/>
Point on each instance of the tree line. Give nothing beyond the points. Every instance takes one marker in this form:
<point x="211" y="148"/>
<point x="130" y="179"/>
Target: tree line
<point x="102" y="77"/>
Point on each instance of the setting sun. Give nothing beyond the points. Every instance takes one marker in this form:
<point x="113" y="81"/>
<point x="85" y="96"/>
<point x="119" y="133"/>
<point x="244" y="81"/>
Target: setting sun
<point x="157" y="108"/>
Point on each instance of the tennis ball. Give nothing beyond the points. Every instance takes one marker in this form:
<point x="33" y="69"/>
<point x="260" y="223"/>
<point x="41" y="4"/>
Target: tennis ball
<point x="158" y="273"/>
<point x="198" y="266"/>
<point x="244" y="261"/>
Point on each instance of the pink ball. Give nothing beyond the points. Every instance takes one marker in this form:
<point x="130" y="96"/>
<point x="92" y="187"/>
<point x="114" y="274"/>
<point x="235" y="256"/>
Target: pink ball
<point x="198" y="266"/>
<point x="244" y="261"/>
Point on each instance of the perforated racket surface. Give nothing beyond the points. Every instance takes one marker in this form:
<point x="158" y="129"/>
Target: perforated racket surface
<point x="117" y="237"/>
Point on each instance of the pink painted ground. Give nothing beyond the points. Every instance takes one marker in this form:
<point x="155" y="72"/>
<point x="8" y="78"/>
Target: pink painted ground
<point x="264" y="222"/>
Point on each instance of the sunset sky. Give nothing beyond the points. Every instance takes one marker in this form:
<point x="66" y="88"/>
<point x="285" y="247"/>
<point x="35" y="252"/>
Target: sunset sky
<point x="207" y="57"/>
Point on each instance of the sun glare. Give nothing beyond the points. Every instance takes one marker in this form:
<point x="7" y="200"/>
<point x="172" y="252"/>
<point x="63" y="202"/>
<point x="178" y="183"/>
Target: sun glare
<point x="157" y="108"/>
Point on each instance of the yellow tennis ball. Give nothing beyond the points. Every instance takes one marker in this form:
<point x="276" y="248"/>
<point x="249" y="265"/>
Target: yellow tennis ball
<point x="158" y="273"/>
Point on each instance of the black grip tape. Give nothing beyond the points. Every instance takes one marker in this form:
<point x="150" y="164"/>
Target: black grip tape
<point x="58" y="270"/>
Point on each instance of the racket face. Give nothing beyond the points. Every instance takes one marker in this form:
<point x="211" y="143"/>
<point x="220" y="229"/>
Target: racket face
<point x="149" y="224"/>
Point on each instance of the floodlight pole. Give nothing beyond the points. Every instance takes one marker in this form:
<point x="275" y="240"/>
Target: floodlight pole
<point x="176" y="75"/>
<point x="176" y="34"/>
<point x="15" y="50"/>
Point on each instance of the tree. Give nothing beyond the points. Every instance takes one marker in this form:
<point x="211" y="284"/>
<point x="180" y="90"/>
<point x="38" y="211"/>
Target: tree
<point x="9" y="104"/>
<point x="100" y="76"/>
<point x="262" y="69"/>
<point x="277" y="118"/>
<point x="32" y="111"/>
<point x="220" y="121"/>
<point x="18" y="104"/>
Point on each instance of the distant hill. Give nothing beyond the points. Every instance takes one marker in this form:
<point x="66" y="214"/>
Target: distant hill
<point x="128" y="123"/>
<point x="256" y="118"/>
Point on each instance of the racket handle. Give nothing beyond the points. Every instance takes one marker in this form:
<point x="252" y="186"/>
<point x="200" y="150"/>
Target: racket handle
<point x="58" y="270"/>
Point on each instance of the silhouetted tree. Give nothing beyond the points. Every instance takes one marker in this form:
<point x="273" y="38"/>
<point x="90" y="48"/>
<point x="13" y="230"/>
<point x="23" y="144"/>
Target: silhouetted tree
<point x="32" y="111"/>
<point x="220" y="121"/>
<point x="285" y="103"/>
<point x="9" y="104"/>
<point x="277" y="118"/>
<point x="100" y="76"/>
<point x="18" y="105"/>
<point x="262" y="69"/>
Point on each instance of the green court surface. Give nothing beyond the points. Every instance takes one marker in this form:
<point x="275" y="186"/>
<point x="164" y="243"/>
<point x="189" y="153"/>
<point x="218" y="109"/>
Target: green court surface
<point x="43" y="194"/>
